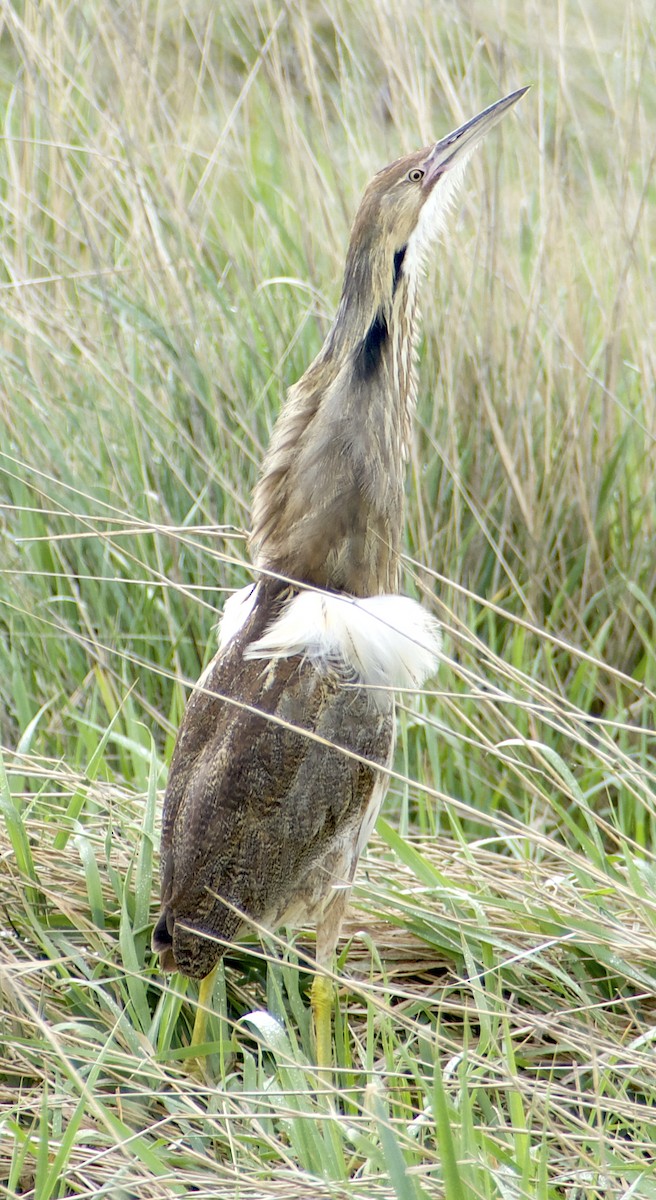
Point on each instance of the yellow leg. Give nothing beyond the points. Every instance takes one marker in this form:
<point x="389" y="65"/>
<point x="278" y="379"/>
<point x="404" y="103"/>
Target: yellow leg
<point x="321" y="999"/>
<point x="199" y="1034"/>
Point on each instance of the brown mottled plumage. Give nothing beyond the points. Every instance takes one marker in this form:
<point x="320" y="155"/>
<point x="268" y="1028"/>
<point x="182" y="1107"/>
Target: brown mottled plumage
<point x="241" y="819"/>
<point x="259" y="818"/>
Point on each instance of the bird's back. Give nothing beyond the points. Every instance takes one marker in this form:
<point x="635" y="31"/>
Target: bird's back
<point x="260" y="819"/>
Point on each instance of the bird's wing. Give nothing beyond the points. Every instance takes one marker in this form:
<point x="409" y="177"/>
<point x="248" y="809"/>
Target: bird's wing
<point x="253" y="804"/>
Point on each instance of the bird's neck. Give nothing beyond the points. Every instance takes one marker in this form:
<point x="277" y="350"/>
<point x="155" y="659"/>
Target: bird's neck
<point x="328" y="509"/>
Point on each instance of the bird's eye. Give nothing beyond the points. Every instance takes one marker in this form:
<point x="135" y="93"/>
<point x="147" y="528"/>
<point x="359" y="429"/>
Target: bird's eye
<point x="416" y="174"/>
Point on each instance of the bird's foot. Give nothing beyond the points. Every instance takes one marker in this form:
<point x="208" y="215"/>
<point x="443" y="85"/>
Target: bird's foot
<point x="321" y="999"/>
<point x="199" y="1032"/>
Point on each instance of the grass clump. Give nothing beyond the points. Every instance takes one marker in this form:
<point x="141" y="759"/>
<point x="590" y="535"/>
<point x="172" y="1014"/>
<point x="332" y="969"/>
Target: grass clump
<point x="176" y="187"/>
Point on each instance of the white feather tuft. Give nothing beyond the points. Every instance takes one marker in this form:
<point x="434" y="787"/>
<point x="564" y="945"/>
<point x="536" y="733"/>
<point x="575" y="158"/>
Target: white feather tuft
<point x="382" y="641"/>
<point x="236" y="611"/>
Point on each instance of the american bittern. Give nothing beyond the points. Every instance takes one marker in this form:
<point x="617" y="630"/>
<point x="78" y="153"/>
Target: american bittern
<point x="263" y="823"/>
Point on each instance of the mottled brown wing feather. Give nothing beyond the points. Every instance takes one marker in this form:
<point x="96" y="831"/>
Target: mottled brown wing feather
<point x="252" y="808"/>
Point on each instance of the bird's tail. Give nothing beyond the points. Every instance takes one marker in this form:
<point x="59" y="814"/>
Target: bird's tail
<point x="183" y="948"/>
<point x="162" y="940"/>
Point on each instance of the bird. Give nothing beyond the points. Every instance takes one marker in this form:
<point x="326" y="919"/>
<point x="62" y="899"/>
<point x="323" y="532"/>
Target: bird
<point x="283" y="753"/>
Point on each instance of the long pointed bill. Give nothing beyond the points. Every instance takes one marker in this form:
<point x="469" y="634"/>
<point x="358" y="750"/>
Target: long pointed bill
<point x="458" y="145"/>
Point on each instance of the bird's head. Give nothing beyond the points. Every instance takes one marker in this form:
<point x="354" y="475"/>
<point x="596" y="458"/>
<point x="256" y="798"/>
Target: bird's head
<point x="329" y="506"/>
<point x="404" y="207"/>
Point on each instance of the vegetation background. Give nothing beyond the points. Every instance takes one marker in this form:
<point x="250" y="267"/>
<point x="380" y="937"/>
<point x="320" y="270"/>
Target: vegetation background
<point x="177" y="180"/>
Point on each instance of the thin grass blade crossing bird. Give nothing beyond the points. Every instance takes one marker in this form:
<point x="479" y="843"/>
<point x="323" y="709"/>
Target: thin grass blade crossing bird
<point x="265" y="815"/>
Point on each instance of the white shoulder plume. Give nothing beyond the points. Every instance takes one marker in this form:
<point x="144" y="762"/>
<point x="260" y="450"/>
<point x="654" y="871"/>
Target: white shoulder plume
<point x="382" y="641"/>
<point x="236" y="611"/>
